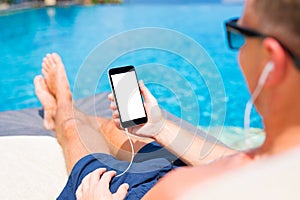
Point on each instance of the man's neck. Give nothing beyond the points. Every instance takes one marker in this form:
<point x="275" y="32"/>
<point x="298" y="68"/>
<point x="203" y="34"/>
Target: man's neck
<point x="280" y="136"/>
<point x="281" y="112"/>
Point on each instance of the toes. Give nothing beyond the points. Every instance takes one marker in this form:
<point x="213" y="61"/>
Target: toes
<point x="56" y="58"/>
<point x="50" y="60"/>
<point x="37" y="80"/>
<point x="45" y="73"/>
<point x="37" y="83"/>
<point x="47" y="101"/>
<point x="37" y="86"/>
<point x="45" y="64"/>
<point x="41" y="89"/>
<point x="42" y="83"/>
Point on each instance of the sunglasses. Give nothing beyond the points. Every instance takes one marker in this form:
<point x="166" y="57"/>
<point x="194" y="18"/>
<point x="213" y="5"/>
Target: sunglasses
<point x="236" y="37"/>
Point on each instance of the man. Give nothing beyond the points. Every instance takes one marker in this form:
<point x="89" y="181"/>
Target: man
<point x="269" y="35"/>
<point x="80" y="136"/>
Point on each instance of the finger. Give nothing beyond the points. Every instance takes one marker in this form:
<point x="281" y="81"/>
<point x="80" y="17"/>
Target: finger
<point x="111" y="97"/>
<point x="95" y="176"/>
<point x="113" y="106"/>
<point x="106" y="178"/>
<point x="121" y="192"/>
<point x="134" y="129"/>
<point x="85" y="184"/>
<point x="117" y="123"/>
<point x="146" y="93"/>
<point x="79" y="192"/>
<point x="115" y="114"/>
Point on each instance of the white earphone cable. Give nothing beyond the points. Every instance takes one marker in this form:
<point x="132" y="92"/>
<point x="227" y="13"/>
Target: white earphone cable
<point x="261" y="82"/>
<point x="132" y="154"/>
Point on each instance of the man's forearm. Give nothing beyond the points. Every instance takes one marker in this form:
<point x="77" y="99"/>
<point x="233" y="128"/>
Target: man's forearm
<point x="190" y="147"/>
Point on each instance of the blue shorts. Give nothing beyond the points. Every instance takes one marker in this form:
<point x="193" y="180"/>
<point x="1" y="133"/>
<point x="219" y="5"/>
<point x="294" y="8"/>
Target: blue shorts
<point x="150" y="164"/>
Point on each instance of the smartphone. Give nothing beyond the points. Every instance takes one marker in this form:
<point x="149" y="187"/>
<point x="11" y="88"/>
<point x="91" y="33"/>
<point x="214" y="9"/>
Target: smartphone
<point x="128" y="98"/>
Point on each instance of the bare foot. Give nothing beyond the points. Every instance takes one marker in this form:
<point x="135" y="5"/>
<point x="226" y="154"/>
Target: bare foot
<point x="47" y="100"/>
<point x="56" y="77"/>
<point x="57" y="82"/>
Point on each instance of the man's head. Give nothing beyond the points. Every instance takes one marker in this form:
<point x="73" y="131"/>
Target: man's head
<point x="272" y="34"/>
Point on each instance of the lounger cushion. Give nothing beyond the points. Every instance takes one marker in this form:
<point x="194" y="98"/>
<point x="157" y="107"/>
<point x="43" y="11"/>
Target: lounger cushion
<point x="32" y="164"/>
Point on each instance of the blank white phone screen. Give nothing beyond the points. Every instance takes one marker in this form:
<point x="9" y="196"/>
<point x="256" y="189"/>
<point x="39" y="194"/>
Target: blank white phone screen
<point x="128" y="96"/>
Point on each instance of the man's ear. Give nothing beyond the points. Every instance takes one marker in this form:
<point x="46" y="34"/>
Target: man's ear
<point x="276" y="54"/>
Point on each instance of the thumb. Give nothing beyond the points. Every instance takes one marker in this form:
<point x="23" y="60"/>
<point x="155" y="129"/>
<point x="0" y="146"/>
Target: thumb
<point x="121" y="192"/>
<point x="146" y="93"/>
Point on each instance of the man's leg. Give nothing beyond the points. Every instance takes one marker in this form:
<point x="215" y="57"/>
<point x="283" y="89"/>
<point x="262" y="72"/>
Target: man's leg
<point x="68" y="129"/>
<point x="77" y="133"/>
<point x="116" y="139"/>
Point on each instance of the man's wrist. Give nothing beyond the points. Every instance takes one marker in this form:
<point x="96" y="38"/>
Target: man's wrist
<point x="161" y="129"/>
<point x="165" y="135"/>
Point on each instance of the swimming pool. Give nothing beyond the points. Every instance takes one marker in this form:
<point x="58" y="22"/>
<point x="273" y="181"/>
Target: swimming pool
<point x="75" y="31"/>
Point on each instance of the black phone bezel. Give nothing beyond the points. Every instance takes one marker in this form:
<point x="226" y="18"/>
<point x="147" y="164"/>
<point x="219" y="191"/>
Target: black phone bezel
<point x="120" y="70"/>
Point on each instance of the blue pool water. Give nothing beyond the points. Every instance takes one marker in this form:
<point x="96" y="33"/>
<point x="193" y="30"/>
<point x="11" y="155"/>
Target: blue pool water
<point x="73" y="32"/>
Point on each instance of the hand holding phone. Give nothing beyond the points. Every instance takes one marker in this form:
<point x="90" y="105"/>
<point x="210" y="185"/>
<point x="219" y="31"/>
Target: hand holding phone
<point x="155" y="119"/>
<point x="127" y="96"/>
